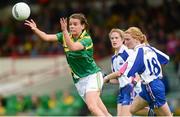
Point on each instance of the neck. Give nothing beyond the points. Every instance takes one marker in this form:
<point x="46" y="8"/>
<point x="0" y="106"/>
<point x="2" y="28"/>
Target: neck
<point x="75" y="36"/>
<point x="136" y="44"/>
<point x="117" y="49"/>
<point x="78" y="35"/>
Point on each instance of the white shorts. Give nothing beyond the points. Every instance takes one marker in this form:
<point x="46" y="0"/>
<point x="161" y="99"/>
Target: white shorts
<point x="93" y="82"/>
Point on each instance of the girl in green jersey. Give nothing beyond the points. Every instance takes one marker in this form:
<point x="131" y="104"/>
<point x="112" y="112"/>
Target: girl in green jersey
<point x="78" y="48"/>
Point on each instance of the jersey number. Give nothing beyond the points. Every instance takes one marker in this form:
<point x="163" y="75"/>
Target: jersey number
<point x="153" y="66"/>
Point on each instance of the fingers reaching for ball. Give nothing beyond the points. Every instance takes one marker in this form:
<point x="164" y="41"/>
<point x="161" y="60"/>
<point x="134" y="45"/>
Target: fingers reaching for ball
<point x="30" y="23"/>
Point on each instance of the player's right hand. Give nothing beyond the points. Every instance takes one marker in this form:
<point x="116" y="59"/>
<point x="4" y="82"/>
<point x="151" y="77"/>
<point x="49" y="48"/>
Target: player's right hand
<point x="63" y="23"/>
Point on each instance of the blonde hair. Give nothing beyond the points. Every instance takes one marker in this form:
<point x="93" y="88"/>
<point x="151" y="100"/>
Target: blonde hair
<point x="137" y="34"/>
<point x="119" y="31"/>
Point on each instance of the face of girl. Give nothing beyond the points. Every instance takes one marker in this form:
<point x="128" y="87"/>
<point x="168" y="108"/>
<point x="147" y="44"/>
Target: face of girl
<point x="129" y="41"/>
<point x="116" y="40"/>
<point x="75" y="27"/>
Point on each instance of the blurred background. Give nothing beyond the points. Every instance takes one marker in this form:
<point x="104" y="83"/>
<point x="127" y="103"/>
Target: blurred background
<point x="34" y="75"/>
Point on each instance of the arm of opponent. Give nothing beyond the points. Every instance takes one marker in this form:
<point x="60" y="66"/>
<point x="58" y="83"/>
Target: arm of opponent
<point x="117" y="74"/>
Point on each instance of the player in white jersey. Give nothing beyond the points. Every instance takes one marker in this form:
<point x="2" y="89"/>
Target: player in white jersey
<point x="146" y="61"/>
<point x="128" y="87"/>
<point x="126" y="92"/>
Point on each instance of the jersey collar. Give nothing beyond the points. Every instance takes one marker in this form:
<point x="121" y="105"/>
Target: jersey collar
<point x="121" y="49"/>
<point x="82" y="34"/>
<point x="139" y="46"/>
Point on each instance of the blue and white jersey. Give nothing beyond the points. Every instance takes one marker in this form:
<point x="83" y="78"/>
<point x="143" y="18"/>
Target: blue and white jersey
<point x="146" y="61"/>
<point x="117" y="61"/>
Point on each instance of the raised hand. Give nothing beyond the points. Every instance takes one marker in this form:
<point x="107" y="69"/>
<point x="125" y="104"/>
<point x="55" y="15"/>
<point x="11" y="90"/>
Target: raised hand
<point x="63" y="23"/>
<point x="31" y="24"/>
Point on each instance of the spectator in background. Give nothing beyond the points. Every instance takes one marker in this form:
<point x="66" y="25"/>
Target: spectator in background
<point x="52" y="102"/>
<point x="2" y="105"/>
<point x="67" y="98"/>
<point x="172" y="44"/>
<point x="110" y="15"/>
<point x="165" y="82"/>
<point x="35" y="103"/>
<point x="2" y="109"/>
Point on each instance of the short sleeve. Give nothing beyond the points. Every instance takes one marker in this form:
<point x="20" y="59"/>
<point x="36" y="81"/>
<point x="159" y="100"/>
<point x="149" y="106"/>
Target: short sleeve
<point x="130" y="62"/>
<point x="86" y="42"/>
<point x="135" y="64"/>
<point x="162" y="57"/>
<point x="60" y="37"/>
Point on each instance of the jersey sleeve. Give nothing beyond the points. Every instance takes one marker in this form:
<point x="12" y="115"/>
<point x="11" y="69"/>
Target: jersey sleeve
<point x="87" y="43"/>
<point x="60" y="37"/>
<point x="162" y="57"/>
<point x="135" y="64"/>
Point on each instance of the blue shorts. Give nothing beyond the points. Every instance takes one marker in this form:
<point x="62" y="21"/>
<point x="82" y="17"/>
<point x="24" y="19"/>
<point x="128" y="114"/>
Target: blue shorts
<point x="125" y="95"/>
<point x="154" y="93"/>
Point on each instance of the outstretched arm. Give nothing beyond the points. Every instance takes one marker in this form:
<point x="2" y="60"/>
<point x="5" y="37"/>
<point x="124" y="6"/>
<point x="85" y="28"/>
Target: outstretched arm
<point x="116" y="74"/>
<point x="114" y="81"/>
<point x="111" y="76"/>
<point x="44" y="36"/>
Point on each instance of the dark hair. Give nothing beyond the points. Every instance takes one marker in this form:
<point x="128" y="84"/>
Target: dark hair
<point x="82" y="19"/>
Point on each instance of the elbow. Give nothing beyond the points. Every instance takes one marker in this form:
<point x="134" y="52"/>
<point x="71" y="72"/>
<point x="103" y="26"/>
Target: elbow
<point x="46" y="37"/>
<point x="73" y="48"/>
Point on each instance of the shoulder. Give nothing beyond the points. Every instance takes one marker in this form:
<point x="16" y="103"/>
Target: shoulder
<point x="85" y="37"/>
<point x="59" y="34"/>
<point x="162" y="57"/>
<point x="126" y="50"/>
<point x="135" y="54"/>
<point x="130" y="51"/>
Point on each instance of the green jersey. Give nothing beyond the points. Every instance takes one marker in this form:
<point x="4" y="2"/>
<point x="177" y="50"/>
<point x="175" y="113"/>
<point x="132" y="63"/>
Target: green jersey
<point x="81" y="62"/>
